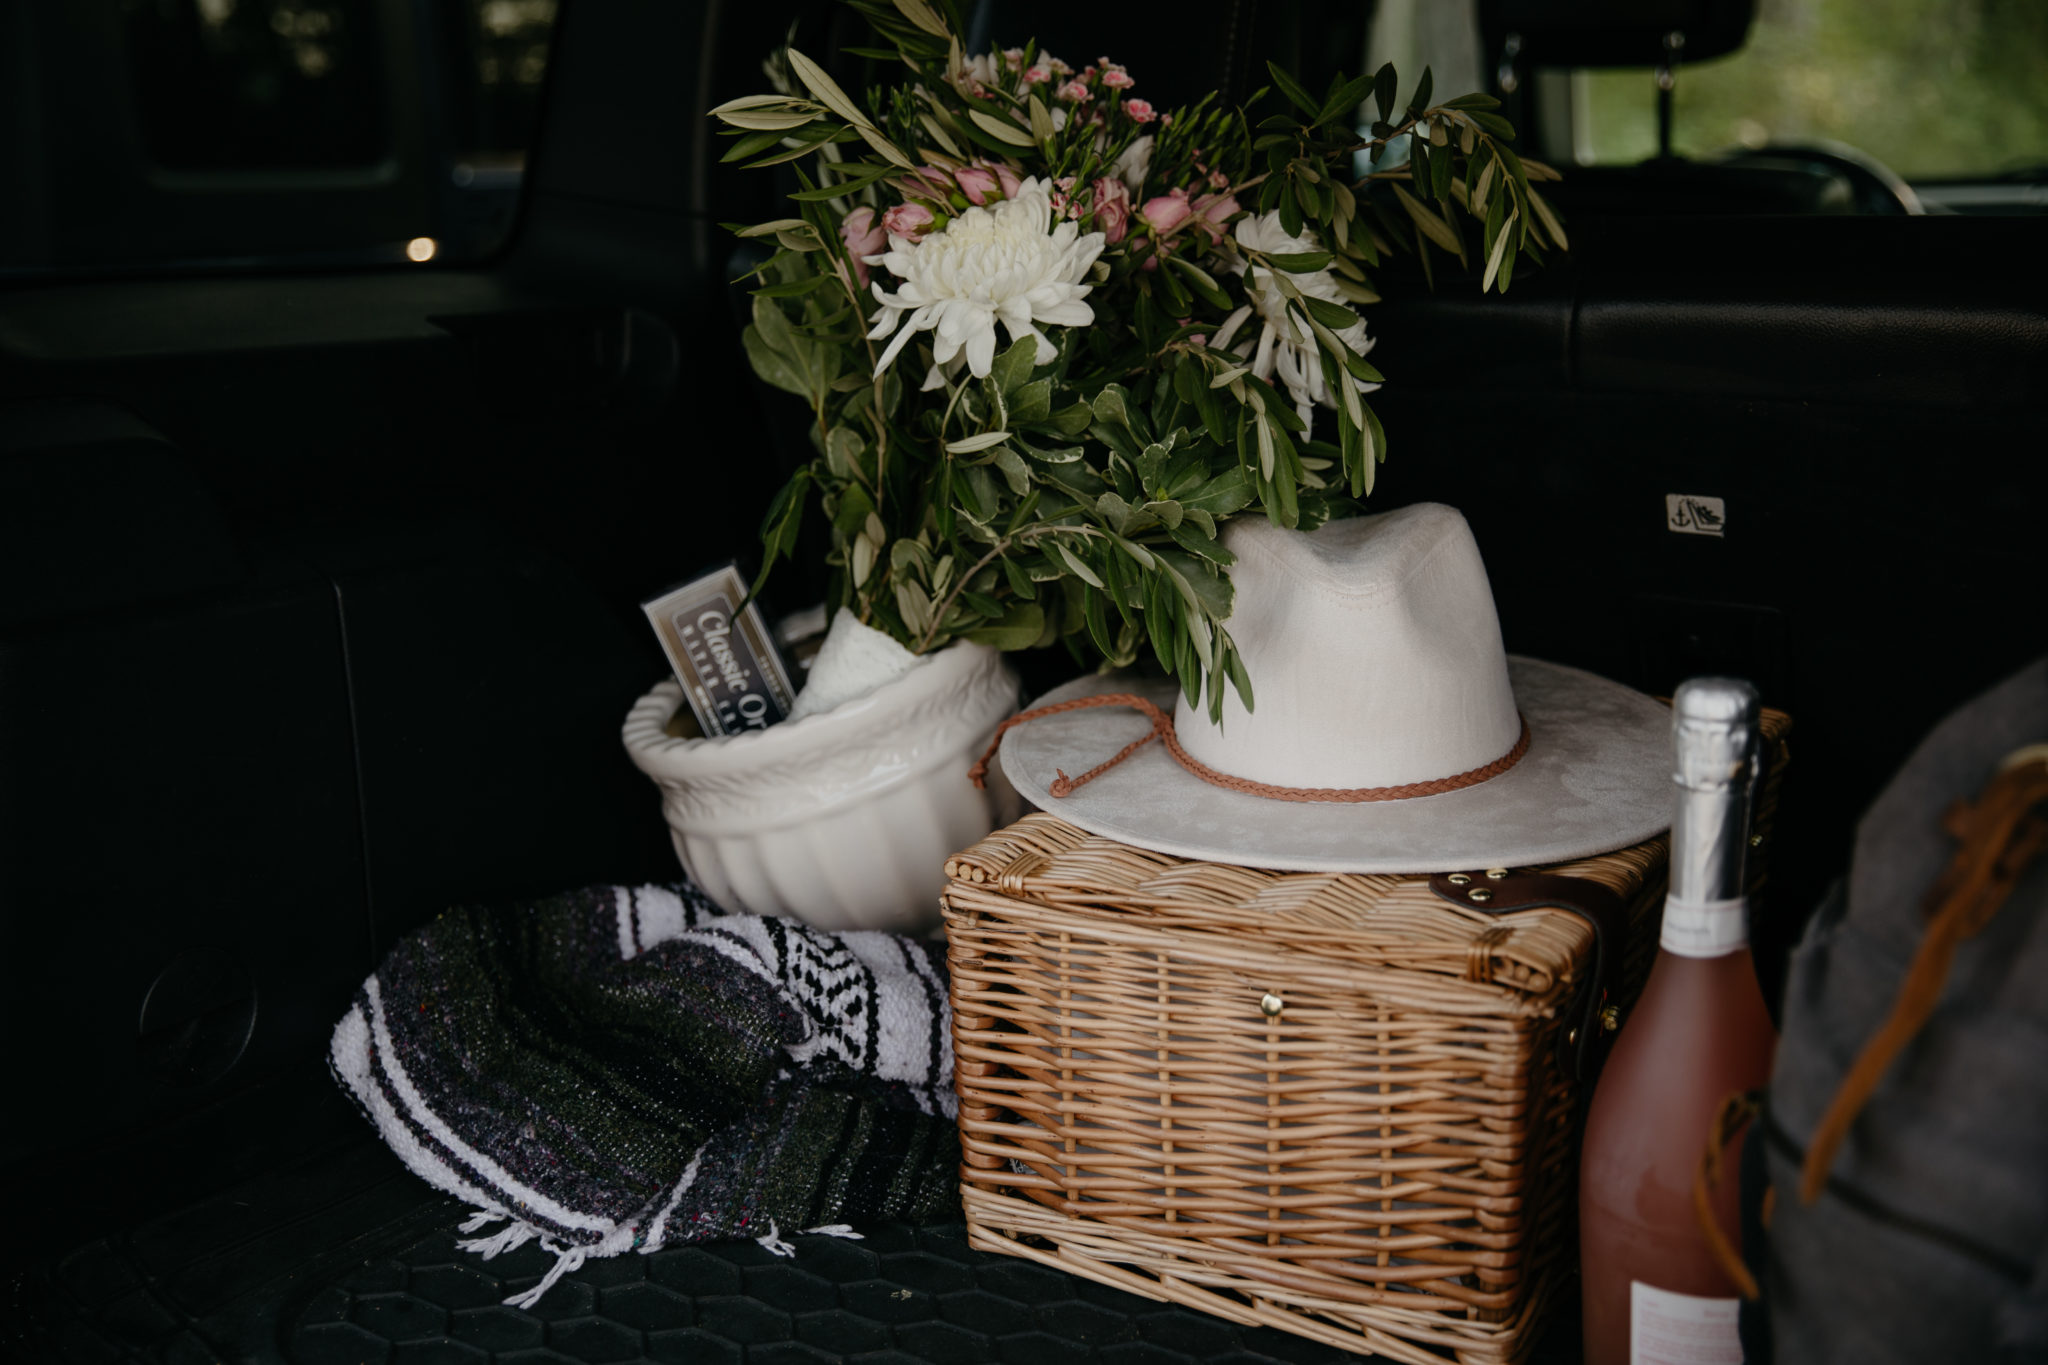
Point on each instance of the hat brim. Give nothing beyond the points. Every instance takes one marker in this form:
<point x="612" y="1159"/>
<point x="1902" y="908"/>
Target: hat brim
<point x="1597" y="777"/>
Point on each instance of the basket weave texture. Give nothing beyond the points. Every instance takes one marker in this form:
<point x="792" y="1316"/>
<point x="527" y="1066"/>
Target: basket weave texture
<point x="1333" y="1104"/>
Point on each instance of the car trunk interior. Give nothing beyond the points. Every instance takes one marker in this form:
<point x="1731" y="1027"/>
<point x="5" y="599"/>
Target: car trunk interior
<point x="318" y="613"/>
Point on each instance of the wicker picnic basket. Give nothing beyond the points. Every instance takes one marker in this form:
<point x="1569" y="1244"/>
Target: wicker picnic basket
<point x="1334" y="1104"/>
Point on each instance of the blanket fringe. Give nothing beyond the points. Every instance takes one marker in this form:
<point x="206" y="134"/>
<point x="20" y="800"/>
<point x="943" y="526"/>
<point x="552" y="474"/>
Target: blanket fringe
<point x="568" y="1261"/>
<point x="508" y="1238"/>
<point x="844" y="1230"/>
<point x="771" y="1242"/>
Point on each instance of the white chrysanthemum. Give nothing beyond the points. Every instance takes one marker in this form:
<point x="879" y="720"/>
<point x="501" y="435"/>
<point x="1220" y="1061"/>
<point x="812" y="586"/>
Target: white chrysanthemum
<point x="1285" y="347"/>
<point x="1004" y="263"/>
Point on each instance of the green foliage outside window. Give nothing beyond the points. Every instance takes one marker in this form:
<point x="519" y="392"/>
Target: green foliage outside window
<point x="1935" y="89"/>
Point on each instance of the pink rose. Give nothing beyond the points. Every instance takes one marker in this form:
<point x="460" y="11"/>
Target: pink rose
<point x="864" y="237"/>
<point x="907" y="220"/>
<point x="1167" y="212"/>
<point x="1112" y="209"/>
<point x="1210" y="211"/>
<point x="1037" y="75"/>
<point x="1074" y="91"/>
<point x="1007" y="178"/>
<point x="1140" y="110"/>
<point x="976" y="183"/>
<point x="1013" y="57"/>
<point x="1063" y="201"/>
<point x="1116" y="78"/>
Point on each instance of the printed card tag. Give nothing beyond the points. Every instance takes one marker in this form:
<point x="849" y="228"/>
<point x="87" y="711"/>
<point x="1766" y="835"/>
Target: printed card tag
<point x="1695" y="514"/>
<point x="1681" y="1329"/>
<point x="732" y="675"/>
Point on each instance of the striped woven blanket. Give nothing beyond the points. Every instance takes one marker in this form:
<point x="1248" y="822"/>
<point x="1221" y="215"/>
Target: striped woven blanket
<point x="623" y="1068"/>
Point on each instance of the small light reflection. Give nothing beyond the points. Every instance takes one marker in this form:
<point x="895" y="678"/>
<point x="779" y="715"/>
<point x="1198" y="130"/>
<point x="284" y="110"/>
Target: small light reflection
<point x="420" y="249"/>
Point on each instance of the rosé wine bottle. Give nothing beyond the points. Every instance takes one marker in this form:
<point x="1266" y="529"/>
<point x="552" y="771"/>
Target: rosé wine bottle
<point x="1653" y="1293"/>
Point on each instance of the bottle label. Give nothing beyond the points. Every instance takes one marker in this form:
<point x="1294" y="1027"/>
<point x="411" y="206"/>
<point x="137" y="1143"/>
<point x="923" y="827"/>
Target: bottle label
<point x="1704" y="928"/>
<point x="1681" y="1329"/>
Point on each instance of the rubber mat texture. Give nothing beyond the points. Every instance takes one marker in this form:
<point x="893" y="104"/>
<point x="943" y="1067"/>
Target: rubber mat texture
<point x="345" y="1259"/>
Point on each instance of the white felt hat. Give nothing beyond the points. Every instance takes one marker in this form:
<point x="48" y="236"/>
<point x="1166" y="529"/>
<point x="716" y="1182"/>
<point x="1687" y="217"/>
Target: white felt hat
<point x="1376" y="662"/>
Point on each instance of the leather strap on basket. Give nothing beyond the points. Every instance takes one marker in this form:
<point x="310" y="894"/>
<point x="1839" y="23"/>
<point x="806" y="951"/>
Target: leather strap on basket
<point x="1589" y="900"/>
<point x="1163" y="731"/>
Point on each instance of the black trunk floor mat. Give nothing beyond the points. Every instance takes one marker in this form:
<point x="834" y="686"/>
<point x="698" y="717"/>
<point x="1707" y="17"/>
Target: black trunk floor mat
<point x="344" y="1258"/>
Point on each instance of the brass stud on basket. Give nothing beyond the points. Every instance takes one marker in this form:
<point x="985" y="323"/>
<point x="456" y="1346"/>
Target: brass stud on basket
<point x="1458" y="878"/>
<point x="1756" y="841"/>
<point x="1270" y="1005"/>
<point x="1571" y="1038"/>
<point x="1610" y="1018"/>
<point x="1496" y="873"/>
<point x="1480" y="895"/>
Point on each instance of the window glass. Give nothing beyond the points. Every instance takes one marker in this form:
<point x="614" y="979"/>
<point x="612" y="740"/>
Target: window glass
<point x="223" y="134"/>
<point x="258" y="84"/>
<point x="1935" y="89"/>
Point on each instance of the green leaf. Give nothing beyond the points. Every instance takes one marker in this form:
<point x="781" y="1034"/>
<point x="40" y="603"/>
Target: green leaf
<point x="1013" y="367"/>
<point x="751" y="144"/>
<point x="889" y="150"/>
<point x="1073" y="420"/>
<point x="1020" y="582"/>
<point x="1076" y="565"/>
<point x="855" y="507"/>
<point x="1422" y="92"/>
<point x="921" y="14"/>
<point x="768" y="122"/>
<point x="790" y="289"/>
<point x="1202" y="282"/>
<point x="1299" y="262"/>
<point x="1495" y="124"/>
<point x="968" y="445"/>
<point x="1167" y="510"/>
<point x="1032" y="403"/>
<point x="843" y="447"/>
<point x="1228" y="492"/>
<point x="1501" y="244"/>
<point x="1019" y="627"/>
<point x="778" y="225"/>
<point x="1292" y="88"/>
<point x="853" y="184"/>
<point x="1384" y="85"/>
<point x="772" y="365"/>
<point x="1334" y="315"/>
<point x="1114" y="511"/>
<point x="1110" y="406"/>
<point x="1430" y="225"/>
<point x="940" y="135"/>
<point x="1000" y="128"/>
<point x="1014" y="471"/>
<point x="1041" y="121"/>
<point x="1344" y="99"/>
<point x="1549" y="219"/>
<point x="1473" y="101"/>
<point x="1239" y="679"/>
<point x="825" y="88"/>
<point x="1195" y="542"/>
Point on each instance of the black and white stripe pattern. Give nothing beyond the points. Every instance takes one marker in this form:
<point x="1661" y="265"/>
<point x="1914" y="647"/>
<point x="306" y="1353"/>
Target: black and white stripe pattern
<point x="872" y="1004"/>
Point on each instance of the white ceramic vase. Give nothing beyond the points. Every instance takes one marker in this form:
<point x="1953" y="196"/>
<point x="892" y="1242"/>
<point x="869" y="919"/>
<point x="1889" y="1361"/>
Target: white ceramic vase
<point x="843" y="819"/>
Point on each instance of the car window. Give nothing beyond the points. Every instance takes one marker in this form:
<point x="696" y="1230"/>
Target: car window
<point x="1934" y="89"/>
<point x="261" y="133"/>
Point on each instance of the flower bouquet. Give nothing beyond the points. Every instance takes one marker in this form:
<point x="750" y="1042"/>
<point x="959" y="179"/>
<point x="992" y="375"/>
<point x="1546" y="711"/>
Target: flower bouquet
<point x="1053" y="338"/>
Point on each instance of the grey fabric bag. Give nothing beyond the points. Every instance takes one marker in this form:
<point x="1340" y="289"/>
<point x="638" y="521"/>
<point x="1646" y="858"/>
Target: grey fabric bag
<point x="1929" y="1241"/>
